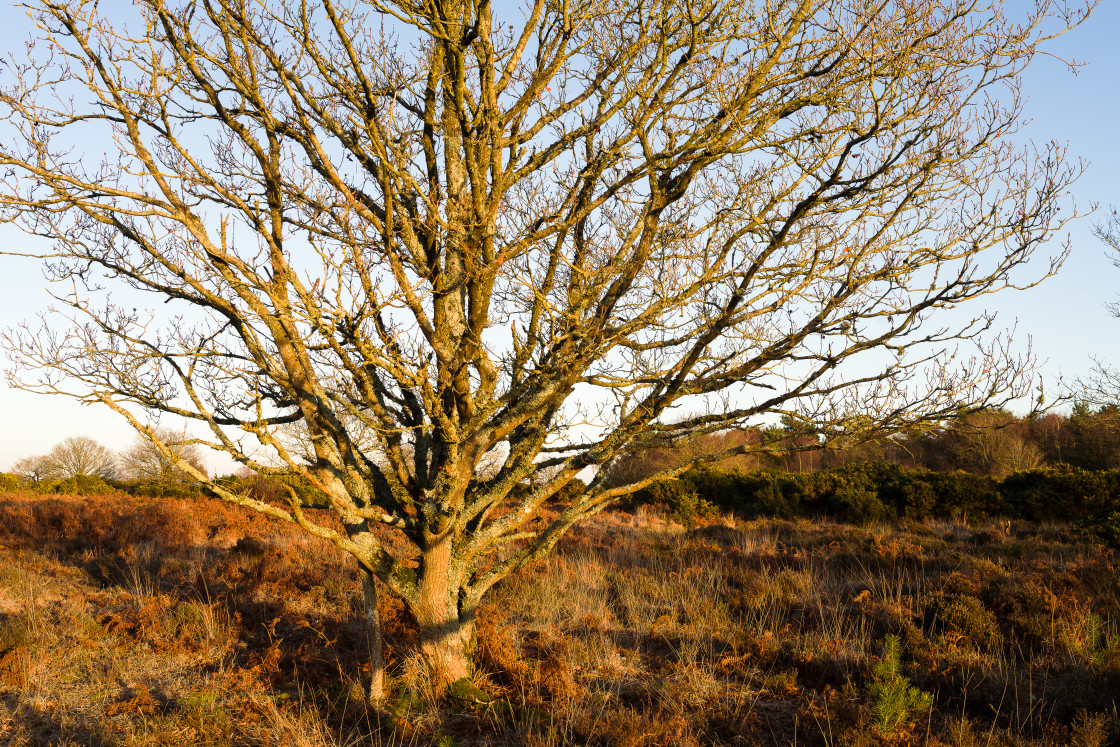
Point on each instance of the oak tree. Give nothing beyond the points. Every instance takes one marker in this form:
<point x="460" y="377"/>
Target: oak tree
<point x="549" y="235"/>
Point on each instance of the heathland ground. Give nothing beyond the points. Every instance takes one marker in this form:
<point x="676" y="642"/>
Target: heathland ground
<point x="142" y="621"/>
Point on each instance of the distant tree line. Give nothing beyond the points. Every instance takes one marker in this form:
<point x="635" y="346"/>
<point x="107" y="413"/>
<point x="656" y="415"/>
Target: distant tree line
<point x="992" y="443"/>
<point x="79" y="465"/>
<point x="942" y="468"/>
<point x="984" y="465"/>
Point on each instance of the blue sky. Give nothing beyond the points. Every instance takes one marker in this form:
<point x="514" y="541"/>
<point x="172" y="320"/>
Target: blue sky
<point x="1065" y="317"/>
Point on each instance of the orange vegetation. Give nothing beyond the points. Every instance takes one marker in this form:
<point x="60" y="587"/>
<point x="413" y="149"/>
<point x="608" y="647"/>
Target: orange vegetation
<point x="131" y="621"/>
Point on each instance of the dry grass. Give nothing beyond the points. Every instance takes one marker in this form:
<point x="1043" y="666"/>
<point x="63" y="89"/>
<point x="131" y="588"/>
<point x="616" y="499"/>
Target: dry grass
<point x="133" y="622"/>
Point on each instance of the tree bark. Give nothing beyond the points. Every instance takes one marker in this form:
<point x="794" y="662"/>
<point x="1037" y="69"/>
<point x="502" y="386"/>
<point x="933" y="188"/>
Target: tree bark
<point x="446" y="638"/>
<point x="446" y="645"/>
<point x="376" y="688"/>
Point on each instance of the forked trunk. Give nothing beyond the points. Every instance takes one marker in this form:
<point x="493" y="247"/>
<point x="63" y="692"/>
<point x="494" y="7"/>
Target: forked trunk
<point x="376" y="688"/>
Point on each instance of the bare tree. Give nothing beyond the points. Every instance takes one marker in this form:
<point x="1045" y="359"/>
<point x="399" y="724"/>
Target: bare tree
<point x="78" y="456"/>
<point x="146" y="461"/>
<point x="35" y="469"/>
<point x="545" y="239"/>
<point x="992" y="443"/>
<point x="81" y="456"/>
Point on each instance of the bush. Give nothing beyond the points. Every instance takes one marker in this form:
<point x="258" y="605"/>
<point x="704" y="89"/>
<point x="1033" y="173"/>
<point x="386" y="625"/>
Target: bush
<point x="859" y="493"/>
<point x="1065" y="491"/>
<point x="963" y="495"/>
<point x="83" y="485"/>
<point x="164" y="489"/>
<point x="8" y="483"/>
<point x="964" y="615"/>
<point x="274" y="488"/>
<point x="686" y="505"/>
<point x="666" y="492"/>
<point x="858" y="505"/>
<point x="1103" y="523"/>
<point x="875" y="491"/>
<point x="570" y="492"/>
<point x="690" y="508"/>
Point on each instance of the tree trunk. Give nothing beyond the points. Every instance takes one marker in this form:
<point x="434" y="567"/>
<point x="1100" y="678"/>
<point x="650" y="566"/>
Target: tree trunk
<point x="446" y="636"/>
<point x="376" y="688"/>
<point x="446" y="645"/>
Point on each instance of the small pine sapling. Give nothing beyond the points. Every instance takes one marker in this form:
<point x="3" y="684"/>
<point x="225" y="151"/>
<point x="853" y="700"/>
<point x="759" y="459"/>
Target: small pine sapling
<point x="893" y="699"/>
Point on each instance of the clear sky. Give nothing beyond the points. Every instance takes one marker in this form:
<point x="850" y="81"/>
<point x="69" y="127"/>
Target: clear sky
<point x="1065" y="317"/>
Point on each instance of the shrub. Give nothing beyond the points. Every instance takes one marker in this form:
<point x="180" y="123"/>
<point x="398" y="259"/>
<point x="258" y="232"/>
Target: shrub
<point x="274" y="488"/>
<point x="964" y="615"/>
<point x="870" y="491"/>
<point x="83" y="485"/>
<point x="858" y="505"/>
<point x="1027" y="609"/>
<point x="1103" y="523"/>
<point x="667" y="492"/>
<point x="164" y="489"/>
<point x="917" y="499"/>
<point x="873" y="491"/>
<point x="963" y="495"/>
<point x="690" y="508"/>
<point x="1065" y="491"/>
<point x="767" y="494"/>
<point x="571" y="490"/>
<point x="687" y="507"/>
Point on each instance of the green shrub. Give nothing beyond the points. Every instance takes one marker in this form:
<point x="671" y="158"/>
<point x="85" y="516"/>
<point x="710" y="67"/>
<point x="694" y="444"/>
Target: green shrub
<point x="916" y="499"/>
<point x="873" y="491"/>
<point x="83" y="485"/>
<point x="165" y="489"/>
<point x="964" y="615"/>
<point x="678" y="495"/>
<point x="570" y="492"/>
<point x="274" y="488"/>
<point x="690" y="508"/>
<point x="230" y="482"/>
<point x="858" y="505"/>
<point x="1103" y="523"/>
<point x="963" y="495"/>
<point x="859" y="493"/>
<point x="1065" y="491"/>
<point x="8" y="483"/>
<point x="767" y="493"/>
<point x="666" y="492"/>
